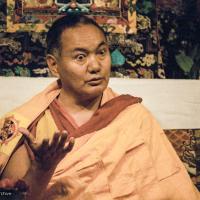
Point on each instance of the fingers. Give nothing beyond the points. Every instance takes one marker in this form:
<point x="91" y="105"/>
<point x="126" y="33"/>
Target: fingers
<point x="55" y="140"/>
<point x="30" y="152"/>
<point x="58" y="141"/>
<point x="58" y="144"/>
<point x="26" y="132"/>
<point x="44" y="146"/>
<point x="56" y="149"/>
<point x="70" y="146"/>
<point x="29" y="137"/>
<point x="30" y="142"/>
<point x="63" y="139"/>
<point x="41" y="150"/>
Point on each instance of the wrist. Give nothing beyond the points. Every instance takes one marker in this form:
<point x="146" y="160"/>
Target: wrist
<point x="37" y="179"/>
<point x="38" y="168"/>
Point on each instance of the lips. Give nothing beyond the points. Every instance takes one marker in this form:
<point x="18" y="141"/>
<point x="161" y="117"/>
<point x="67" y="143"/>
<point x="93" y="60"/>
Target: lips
<point x="95" y="81"/>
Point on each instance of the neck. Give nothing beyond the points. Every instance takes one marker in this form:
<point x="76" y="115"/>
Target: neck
<point x="76" y="105"/>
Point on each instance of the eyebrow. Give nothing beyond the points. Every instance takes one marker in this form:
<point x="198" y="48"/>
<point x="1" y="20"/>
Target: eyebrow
<point x="86" y="51"/>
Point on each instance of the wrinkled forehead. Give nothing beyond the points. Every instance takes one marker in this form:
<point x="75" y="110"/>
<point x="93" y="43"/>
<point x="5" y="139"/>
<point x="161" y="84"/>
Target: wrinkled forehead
<point x="81" y="36"/>
<point x="81" y="28"/>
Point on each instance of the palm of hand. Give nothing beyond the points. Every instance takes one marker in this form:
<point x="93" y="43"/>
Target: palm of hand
<point x="46" y="155"/>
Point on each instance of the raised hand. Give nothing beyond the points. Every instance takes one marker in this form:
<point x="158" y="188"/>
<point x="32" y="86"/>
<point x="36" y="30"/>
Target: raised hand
<point x="46" y="155"/>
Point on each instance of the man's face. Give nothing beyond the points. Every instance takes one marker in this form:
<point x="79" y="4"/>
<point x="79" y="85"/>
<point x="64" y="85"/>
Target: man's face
<point x="84" y="62"/>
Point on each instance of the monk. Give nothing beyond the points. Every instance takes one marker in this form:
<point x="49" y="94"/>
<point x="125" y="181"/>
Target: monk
<point x="79" y="140"/>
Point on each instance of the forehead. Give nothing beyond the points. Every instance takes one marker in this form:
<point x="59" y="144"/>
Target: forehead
<point x="82" y="36"/>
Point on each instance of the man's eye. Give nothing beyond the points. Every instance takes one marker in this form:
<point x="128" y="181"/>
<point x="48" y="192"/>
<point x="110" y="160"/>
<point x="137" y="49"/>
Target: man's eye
<point x="102" y="52"/>
<point x="80" y="57"/>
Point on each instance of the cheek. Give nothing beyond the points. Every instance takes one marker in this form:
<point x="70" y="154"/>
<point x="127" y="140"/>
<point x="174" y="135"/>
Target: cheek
<point x="107" y="65"/>
<point x="72" y="71"/>
<point x="75" y="76"/>
<point x="109" y="61"/>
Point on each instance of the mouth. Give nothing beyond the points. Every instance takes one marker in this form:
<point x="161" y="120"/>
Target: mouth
<point x="95" y="81"/>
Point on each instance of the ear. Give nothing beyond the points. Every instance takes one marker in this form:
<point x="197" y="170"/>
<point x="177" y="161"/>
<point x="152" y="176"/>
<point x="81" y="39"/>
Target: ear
<point x="52" y="64"/>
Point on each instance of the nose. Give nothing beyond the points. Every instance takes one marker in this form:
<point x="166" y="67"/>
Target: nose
<point x="94" y="65"/>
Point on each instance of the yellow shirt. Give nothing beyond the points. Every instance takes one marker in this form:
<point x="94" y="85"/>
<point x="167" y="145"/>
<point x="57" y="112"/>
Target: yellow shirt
<point x="130" y="159"/>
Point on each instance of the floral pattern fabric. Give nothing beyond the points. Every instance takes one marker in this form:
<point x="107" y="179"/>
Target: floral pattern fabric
<point x="187" y="145"/>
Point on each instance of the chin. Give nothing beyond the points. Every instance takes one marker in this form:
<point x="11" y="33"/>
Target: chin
<point x="95" y="91"/>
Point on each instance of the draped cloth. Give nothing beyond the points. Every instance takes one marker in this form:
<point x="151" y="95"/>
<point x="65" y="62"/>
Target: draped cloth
<point x="120" y="153"/>
<point x="29" y="114"/>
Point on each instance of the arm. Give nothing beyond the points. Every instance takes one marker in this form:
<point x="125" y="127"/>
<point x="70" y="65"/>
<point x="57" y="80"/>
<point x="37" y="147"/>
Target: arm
<point x="16" y="170"/>
<point x="40" y="161"/>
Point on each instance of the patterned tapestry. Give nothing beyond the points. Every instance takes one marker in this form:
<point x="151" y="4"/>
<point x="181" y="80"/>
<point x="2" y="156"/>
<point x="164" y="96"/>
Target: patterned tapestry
<point x="22" y="36"/>
<point x="179" y="30"/>
<point x="165" y="45"/>
<point x="187" y="145"/>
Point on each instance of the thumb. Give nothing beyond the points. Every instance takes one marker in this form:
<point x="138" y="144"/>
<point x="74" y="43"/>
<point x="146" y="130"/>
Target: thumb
<point x="30" y="142"/>
<point x="29" y="137"/>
